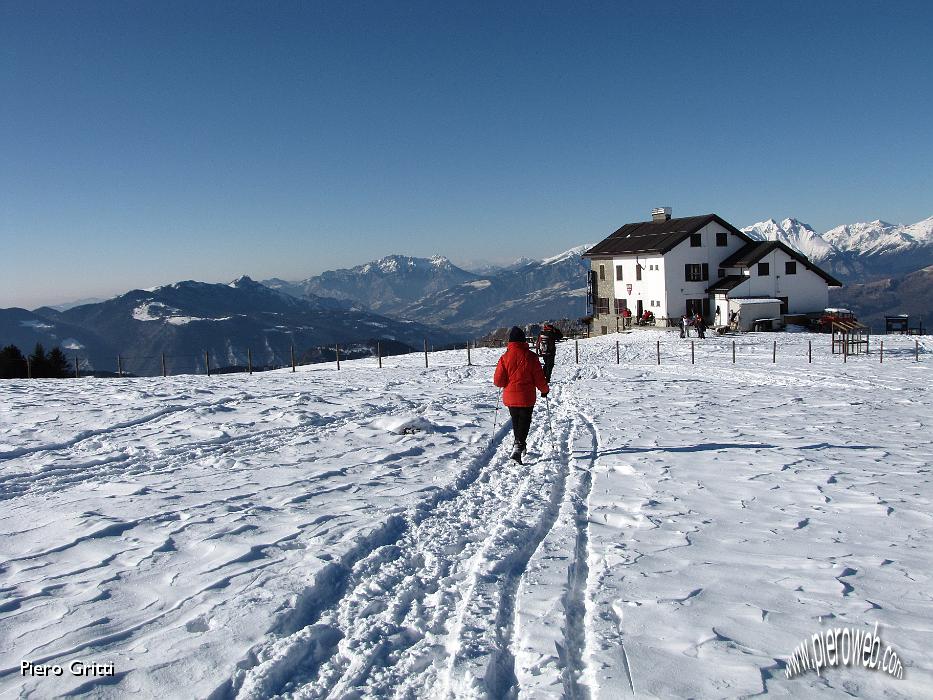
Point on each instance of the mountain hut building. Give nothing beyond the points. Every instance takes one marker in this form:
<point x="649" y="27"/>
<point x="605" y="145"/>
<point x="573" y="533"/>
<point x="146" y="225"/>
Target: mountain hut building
<point x="697" y="265"/>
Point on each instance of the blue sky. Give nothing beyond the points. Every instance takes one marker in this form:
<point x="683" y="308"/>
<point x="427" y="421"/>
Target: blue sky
<point x="144" y="143"/>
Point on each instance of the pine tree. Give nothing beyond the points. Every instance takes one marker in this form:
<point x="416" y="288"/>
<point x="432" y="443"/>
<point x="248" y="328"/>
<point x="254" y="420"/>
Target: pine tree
<point x="58" y="365"/>
<point x="39" y="362"/>
<point x="12" y="363"/>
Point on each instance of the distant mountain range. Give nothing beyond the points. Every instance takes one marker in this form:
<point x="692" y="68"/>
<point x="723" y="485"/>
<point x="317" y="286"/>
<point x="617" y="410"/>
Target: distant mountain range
<point x="387" y="285"/>
<point x="401" y="300"/>
<point x="186" y="319"/>
<point x="886" y="267"/>
<point x="856" y="252"/>
<point x="437" y="292"/>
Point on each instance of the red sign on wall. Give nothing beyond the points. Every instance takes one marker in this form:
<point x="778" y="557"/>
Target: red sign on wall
<point x="628" y="288"/>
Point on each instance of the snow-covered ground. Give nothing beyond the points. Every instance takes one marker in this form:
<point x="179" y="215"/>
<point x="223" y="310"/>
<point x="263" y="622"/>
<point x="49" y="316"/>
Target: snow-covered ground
<point x="679" y="529"/>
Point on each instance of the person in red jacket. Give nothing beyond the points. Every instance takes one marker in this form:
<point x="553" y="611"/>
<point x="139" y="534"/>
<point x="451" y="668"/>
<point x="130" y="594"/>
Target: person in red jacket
<point x="518" y="374"/>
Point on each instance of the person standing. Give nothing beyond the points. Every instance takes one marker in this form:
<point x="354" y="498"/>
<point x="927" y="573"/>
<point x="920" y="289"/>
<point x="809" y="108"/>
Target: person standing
<point x="518" y="374"/>
<point x="684" y="326"/>
<point x="700" y="324"/>
<point x="547" y="347"/>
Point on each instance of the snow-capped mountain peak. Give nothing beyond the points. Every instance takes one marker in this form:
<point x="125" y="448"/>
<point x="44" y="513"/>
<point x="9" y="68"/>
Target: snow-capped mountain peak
<point x="794" y="233"/>
<point x="574" y="252"/>
<point x="879" y="237"/>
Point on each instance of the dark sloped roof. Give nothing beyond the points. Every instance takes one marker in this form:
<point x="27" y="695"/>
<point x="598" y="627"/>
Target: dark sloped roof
<point x="726" y="283"/>
<point x="749" y="254"/>
<point x="655" y="236"/>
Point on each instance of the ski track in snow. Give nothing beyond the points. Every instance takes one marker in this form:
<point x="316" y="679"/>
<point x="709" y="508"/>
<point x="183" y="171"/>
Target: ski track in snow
<point x="282" y="535"/>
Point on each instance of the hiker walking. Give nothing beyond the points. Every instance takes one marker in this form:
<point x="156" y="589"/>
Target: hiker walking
<point x="518" y="374"/>
<point x="547" y="347"/>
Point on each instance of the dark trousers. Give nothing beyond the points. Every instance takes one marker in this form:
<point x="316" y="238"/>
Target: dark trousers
<point x="548" y="367"/>
<point x="521" y="423"/>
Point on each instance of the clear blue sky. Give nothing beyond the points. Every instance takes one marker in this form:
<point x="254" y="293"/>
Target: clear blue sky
<point x="146" y="142"/>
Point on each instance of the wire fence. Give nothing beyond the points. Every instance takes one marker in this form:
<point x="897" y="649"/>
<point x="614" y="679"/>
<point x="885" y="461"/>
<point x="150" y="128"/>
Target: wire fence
<point x="673" y="350"/>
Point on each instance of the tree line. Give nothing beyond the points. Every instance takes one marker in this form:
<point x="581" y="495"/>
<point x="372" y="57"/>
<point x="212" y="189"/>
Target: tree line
<point x="40" y="364"/>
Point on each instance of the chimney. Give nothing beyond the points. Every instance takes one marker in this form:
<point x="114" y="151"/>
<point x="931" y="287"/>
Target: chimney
<point x="661" y="214"/>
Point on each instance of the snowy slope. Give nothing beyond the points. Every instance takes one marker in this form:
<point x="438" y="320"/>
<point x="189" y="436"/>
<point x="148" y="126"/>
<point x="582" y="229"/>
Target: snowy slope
<point x="362" y="533"/>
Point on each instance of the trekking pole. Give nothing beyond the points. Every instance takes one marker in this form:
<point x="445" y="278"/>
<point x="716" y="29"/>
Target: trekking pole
<point x="550" y="427"/>
<point x="495" y="418"/>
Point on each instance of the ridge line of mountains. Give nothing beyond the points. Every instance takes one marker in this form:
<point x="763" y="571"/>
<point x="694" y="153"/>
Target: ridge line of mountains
<point x="887" y="268"/>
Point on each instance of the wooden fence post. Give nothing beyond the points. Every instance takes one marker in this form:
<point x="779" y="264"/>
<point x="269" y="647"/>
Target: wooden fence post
<point x="163" y="365"/>
<point x="881" y="353"/>
<point x="774" y="353"/>
<point x="733" y="352"/>
<point x="337" y="351"/>
<point x="692" y="354"/>
<point x="809" y="351"/>
<point x="207" y="362"/>
<point x="379" y="352"/>
<point x="293" y="357"/>
<point x="576" y="346"/>
<point x="425" y="352"/>
<point x="845" y="350"/>
<point x="617" y="352"/>
<point x="249" y="360"/>
<point x="659" y="352"/>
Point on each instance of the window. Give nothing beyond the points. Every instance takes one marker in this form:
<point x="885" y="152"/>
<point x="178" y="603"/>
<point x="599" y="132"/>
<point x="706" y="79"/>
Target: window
<point x="764" y="269"/>
<point x="722" y="239"/>
<point x="602" y="305"/>
<point x="696" y="272"/>
<point x="696" y="240"/>
<point x="637" y="272"/>
<point x="620" y="306"/>
<point x="790" y="267"/>
<point x="619" y="273"/>
<point x="602" y="272"/>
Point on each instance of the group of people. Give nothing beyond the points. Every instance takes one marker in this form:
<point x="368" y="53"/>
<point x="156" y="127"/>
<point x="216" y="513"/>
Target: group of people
<point x="697" y="322"/>
<point x="519" y="373"/>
